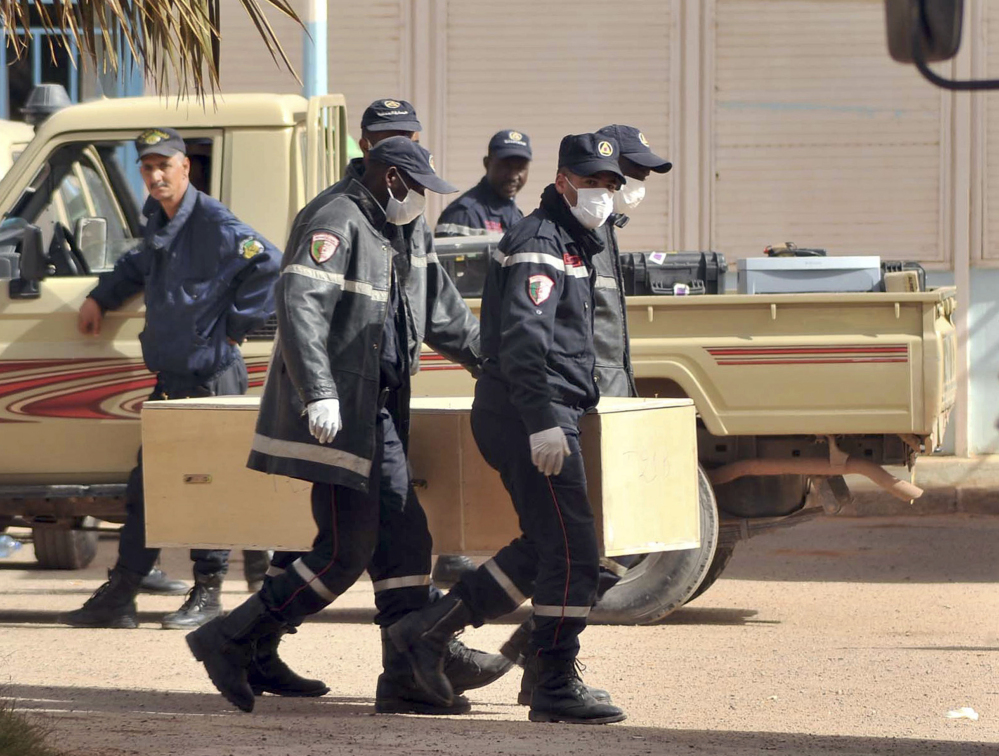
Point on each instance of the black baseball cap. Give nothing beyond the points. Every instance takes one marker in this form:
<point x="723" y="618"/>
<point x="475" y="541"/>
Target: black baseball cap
<point x="587" y="154"/>
<point x="390" y="115"/>
<point x="510" y="143"/>
<point x="408" y="156"/>
<point x="635" y="147"/>
<point x="160" y="141"/>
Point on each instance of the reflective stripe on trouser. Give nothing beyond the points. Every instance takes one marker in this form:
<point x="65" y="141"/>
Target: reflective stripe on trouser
<point x="557" y="559"/>
<point x="132" y="552"/>
<point x="399" y="564"/>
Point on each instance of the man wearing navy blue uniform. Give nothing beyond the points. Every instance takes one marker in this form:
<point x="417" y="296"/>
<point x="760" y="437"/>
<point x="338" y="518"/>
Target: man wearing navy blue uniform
<point x="489" y="207"/>
<point x="207" y="279"/>
<point x="537" y="344"/>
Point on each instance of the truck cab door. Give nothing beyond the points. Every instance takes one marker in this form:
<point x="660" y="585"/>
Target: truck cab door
<point x="325" y="142"/>
<point x="69" y="404"/>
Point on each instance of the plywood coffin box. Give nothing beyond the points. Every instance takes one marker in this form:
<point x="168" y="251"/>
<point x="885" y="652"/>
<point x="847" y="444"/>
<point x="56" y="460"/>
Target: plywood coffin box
<point x="640" y="455"/>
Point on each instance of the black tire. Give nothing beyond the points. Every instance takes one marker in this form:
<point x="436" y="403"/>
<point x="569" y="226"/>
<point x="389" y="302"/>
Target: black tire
<point x="723" y="555"/>
<point x="63" y="548"/>
<point x="663" y="581"/>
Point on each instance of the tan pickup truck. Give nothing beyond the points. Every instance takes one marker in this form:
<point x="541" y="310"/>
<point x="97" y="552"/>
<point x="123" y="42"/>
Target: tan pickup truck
<point x="792" y="391"/>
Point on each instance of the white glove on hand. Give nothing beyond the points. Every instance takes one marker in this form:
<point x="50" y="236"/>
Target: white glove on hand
<point x="324" y="419"/>
<point x="549" y="448"/>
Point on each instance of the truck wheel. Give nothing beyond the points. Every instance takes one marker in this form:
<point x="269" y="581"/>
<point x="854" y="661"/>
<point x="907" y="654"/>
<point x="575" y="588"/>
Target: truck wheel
<point x="64" y="548"/>
<point x="663" y="581"/>
<point x="723" y="555"/>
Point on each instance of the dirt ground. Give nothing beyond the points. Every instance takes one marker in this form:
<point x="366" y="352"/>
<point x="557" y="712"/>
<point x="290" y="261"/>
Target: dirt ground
<point x="842" y="636"/>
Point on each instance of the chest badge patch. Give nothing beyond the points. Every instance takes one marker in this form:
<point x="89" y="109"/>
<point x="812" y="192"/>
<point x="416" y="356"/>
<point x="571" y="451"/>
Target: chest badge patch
<point x="539" y="288"/>
<point x="251" y="248"/>
<point x="323" y="246"/>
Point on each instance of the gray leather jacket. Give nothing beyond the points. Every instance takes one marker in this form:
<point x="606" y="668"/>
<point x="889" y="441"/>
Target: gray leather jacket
<point x="610" y="317"/>
<point x="332" y="301"/>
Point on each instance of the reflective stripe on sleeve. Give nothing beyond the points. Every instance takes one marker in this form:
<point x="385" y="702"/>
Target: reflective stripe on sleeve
<point x="456" y="229"/>
<point x="606" y="282"/>
<point x="527" y="257"/>
<point x="409" y="581"/>
<point x="337" y="279"/>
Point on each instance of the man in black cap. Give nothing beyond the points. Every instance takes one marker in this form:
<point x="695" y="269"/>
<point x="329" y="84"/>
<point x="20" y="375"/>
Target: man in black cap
<point x="537" y="381"/>
<point x="610" y="320"/>
<point x="613" y="372"/>
<point x="489" y="206"/>
<point x="467" y="668"/>
<point x="355" y="302"/>
<point x="207" y="279"/>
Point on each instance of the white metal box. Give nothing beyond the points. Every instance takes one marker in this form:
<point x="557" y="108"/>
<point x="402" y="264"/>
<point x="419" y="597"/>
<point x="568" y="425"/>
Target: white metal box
<point x="641" y="465"/>
<point x="789" y="275"/>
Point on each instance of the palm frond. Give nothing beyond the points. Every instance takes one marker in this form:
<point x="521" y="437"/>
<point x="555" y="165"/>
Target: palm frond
<point x="173" y="41"/>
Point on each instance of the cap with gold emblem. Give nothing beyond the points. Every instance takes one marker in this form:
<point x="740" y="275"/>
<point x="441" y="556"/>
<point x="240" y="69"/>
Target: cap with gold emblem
<point x="390" y="115"/>
<point x="635" y="147"/>
<point x="160" y="141"/>
<point x="588" y="154"/>
<point x="510" y="143"/>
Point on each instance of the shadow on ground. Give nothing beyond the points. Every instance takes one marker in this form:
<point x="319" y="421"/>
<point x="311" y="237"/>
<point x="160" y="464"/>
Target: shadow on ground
<point x="98" y="720"/>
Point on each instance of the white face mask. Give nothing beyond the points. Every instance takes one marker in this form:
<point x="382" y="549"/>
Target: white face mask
<point x="593" y="206"/>
<point x="406" y="211"/>
<point x="629" y="196"/>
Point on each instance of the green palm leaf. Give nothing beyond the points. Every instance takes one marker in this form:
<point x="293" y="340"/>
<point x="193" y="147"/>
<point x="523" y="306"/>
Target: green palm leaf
<point x="174" y="41"/>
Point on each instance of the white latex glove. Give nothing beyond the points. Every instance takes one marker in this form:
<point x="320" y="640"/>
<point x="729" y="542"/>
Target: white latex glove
<point x="324" y="419"/>
<point x="549" y="448"/>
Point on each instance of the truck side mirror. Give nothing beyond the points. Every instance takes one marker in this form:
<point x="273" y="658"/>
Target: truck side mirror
<point x="924" y="31"/>
<point x="34" y="264"/>
<point x="938" y="25"/>
<point x="91" y="237"/>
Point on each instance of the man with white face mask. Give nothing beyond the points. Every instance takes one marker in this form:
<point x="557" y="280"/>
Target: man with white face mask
<point x="537" y="381"/>
<point x="355" y="300"/>
<point x="610" y="319"/>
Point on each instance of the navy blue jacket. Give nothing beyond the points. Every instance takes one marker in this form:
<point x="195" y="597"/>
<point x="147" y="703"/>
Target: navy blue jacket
<point x="478" y="211"/>
<point x="537" y="319"/>
<point x="207" y="278"/>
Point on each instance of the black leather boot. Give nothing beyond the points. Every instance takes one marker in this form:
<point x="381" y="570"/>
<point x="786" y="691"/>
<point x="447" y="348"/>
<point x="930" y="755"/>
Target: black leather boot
<point x="450" y="568"/>
<point x="269" y="674"/>
<point x="227" y="645"/>
<point x="561" y="696"/>
<point x="468" y="668"/>
<point x="158" y="584"/>
<point x="203" y="604"/>
<point x="423" y="636"/>
<point x="255" y="564"/>
<point x="112" y="605"/>
<point x="398" y="693"/>
<point x="515" y="648"/>
<point x="530" y="680"/>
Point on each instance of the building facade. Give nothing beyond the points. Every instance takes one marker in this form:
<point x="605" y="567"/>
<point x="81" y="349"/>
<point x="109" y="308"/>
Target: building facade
<point x="786" y="120"/>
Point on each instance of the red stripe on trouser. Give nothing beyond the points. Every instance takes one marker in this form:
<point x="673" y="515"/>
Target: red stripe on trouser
<point x="568" y="562"/>
<point x="328" y="567"/>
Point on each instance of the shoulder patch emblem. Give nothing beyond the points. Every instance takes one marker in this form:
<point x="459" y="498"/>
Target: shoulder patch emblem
<point x="323" y="246"/>
<point x="539" y="288"/>
<point x="250" y="248"/>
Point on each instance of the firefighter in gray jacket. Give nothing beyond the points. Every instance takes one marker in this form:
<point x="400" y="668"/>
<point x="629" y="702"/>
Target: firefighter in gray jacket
<point x="355" y="300"/>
